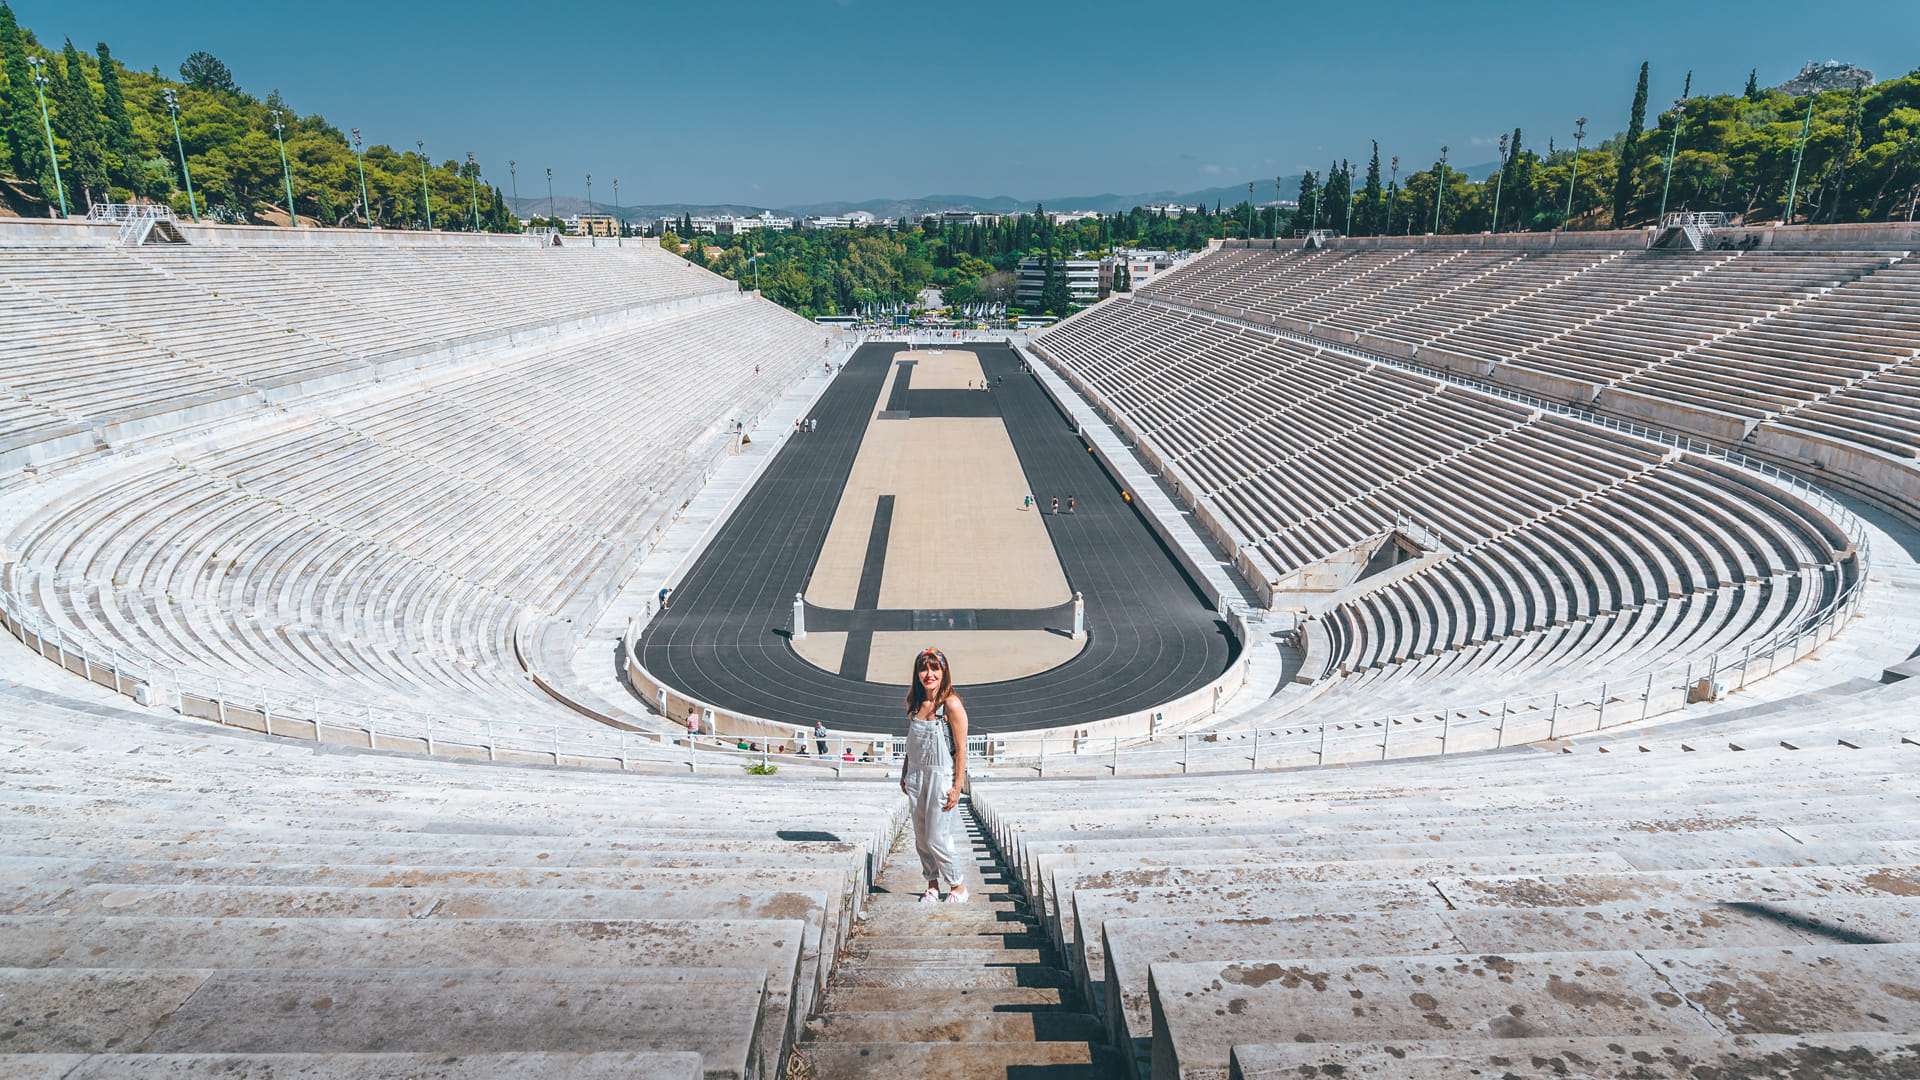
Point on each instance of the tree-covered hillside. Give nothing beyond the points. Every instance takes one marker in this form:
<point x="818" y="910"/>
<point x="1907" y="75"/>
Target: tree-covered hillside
<point x="1734" y="153"/>
<point x="825" y="272"/>
<point x="114" y="136"/>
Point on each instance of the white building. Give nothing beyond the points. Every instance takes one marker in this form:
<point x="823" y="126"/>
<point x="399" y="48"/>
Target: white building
<point x="960" y="217"/>
<point x="1144" y="266"/>
<point x="724" y="224"/>
<point x="852" y="219"/>
<point x="1087" y="280"/>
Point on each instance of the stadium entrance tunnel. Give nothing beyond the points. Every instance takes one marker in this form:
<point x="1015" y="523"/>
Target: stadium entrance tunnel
<point x="937" y="499"/>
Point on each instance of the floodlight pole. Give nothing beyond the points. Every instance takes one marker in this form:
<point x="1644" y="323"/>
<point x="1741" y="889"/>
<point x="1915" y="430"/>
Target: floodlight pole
<point x="550" y="217"/>
<point x="366" y="204"/>
<point x="473" y="184"/>
<point x="1499" y="182"/>
<point x="618" y="239"/>
<point x="173" y="106"/>
<point x="514" y="179"/>
<point x="1673" y="148"/>
<point x="1440" y="193"/>
<point x="286" y="172"/>
<point x="592" y="239"/>
<point x="1793" y="191"/>
<point x="1349" y="231"/>
<point x="426" y="197"/>
<point x="1579" y="136"/>
<point x="39" y="86"/>
<point x="1392" y="191"/>
<point x="1249" y="213"/>
<point x="1276" y="220"/>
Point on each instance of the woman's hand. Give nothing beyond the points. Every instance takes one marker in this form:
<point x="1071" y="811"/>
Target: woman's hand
<point x="953" y="798"/>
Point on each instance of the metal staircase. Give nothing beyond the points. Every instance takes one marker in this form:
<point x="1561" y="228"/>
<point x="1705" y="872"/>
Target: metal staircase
<point x="140" y="223"/>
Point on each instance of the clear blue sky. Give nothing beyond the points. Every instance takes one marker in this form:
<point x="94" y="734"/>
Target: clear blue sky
<point x="798" y="101"/>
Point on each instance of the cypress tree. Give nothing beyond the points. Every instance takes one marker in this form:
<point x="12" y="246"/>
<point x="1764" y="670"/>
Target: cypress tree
<point x="86" y="170"/>
<point x="1625" y="180"/>
<point x="1372" y="211"/>
<point x="123" y="156"/>
<point x="1336" y="195"/>
<point x="25" y="141"/>
<point x="1753" y="85"/>
<point x="1309" y="204"/>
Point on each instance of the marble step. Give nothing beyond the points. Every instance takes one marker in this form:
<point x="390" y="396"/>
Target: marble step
<point x="558" y="1065"/>
<point x="1201" y="1010"/>
<point x="1827" y="1056"/>
<point x="964" y="1024"/>
<point x="714" y="1012"/>
<point x="961" y="1060"/>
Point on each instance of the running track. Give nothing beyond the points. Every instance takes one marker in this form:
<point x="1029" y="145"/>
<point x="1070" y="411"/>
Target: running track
<point x="1151" y="636"/>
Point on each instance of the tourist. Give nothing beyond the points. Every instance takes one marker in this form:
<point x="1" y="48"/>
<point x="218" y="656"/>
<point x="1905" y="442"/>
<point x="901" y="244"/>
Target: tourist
<point x="934" y="772"/>
<point x="820" y="737"/>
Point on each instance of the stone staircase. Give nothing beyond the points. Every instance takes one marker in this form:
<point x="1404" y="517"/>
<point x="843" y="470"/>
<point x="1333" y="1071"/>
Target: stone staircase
<point x="952" y="992"/>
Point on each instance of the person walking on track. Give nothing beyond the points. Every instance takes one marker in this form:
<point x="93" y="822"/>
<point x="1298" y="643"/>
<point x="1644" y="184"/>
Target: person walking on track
<point x="934" y="772"/>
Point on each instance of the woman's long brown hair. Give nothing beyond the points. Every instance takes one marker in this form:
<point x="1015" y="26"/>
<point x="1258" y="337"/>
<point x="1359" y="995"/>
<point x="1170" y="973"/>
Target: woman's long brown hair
<point x="917" y="694"/>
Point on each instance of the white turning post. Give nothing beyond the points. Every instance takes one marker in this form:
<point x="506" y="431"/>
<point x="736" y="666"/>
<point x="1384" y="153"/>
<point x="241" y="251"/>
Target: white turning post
<point x="799" y="616"/>
<point x="1079" y="617"/>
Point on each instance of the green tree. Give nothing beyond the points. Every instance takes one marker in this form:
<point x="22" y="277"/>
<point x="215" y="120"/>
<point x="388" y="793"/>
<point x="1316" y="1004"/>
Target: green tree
<point x="1309" y="201"/>
<point x="123" y="156"/>
<point x="1055" y="298"/>
<point x="1337" y="195"/>
<point x="1370" y="218"/>
<point x="1753" y="84"/>
<point x="25" y="138"/>
<point x="1122" y="279"/>
<point x="86" y="165"/>
<point x="1627" y="169"/>
<point x="204" y="71"/>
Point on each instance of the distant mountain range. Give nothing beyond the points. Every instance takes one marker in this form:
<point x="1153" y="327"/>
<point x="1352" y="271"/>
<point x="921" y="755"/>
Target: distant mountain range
<point x="1109" y="203"/>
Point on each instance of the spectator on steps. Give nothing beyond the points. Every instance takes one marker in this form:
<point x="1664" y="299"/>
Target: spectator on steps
<point x="934" y="772"/>
<point x="820" y="737"/>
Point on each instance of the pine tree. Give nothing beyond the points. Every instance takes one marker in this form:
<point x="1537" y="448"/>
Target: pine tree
<point x="1626" y="179"/>
<point x="1372" y="211"/>
<point x="1753" y="85"/>
<point x="1337" y="195"/>
<point x="1054" y="296"/>
<point x="123" y="157"/>
<point x="86" y="166"/>
<point x="1309" y="205"/>
<point x="1517" y="187"/>
<point x="26" y="142"/>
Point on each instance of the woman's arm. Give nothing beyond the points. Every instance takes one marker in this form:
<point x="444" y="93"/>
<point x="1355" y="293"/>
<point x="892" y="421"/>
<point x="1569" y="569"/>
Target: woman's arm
<point x="957" y="722"/>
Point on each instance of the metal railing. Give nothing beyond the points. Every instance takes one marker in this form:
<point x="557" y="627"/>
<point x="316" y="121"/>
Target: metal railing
<point x="1631" y="698"/>
<point x="116" y="213"/>
<point x="1699" y="219"/>
<point x="304" y="715"/>
<point x="1564" y="713"/>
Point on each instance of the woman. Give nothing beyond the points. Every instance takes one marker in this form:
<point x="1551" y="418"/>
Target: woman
<point x="933" y="773"/>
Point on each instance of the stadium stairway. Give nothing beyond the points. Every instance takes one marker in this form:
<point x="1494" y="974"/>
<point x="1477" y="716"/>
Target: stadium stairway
<point x="953" y="991"/>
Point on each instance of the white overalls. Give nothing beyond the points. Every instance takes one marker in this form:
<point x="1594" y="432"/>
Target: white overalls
<point x="929" y="775"/>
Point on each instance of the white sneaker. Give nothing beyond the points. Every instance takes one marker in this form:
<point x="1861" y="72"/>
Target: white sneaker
<point x="958" y="895"/>
<point x="931" y="896"/>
